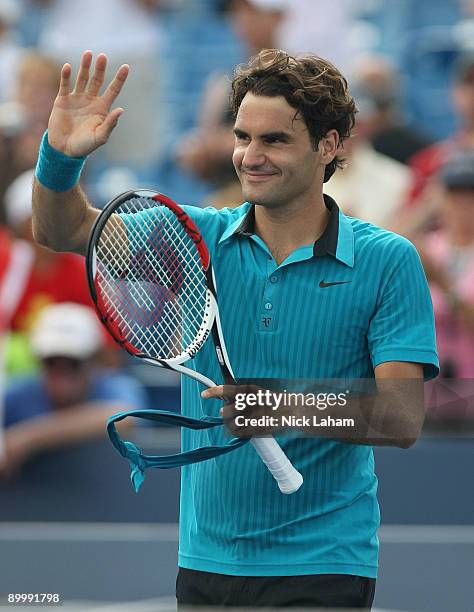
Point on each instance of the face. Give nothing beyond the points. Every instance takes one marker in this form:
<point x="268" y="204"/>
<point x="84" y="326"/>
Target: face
<point x="66" y="380"/>
<point x="273" y="154"/>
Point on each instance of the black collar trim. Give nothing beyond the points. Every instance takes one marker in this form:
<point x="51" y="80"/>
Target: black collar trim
<point x="326" y="244"/>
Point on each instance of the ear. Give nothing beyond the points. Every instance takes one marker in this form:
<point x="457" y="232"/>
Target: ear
<point x="328" y="146"/>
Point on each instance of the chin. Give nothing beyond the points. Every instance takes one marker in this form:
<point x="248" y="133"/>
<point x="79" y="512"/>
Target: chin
<point x="260" y="198"/>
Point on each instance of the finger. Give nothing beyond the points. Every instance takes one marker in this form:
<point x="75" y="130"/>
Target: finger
<point x="115" y="86"/>
<point x="99" y="74"/>
<point x="83" y="74"/>
<point x="65" y="82"/>
<point x="217" y="391"/>
<point x="105" y="129"/>
<point x="221" y="391"/>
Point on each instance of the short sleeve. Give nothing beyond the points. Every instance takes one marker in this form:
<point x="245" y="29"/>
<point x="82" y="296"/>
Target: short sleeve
<point x="403" y="327"/>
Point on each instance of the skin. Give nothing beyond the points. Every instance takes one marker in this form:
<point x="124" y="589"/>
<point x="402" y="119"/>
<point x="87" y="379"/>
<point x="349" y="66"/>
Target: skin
<point x="82" y="120"/>
<point x="280" y="171"/>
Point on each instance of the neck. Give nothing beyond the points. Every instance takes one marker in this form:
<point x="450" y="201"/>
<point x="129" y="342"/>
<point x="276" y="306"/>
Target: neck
<point x="287" y="228"/>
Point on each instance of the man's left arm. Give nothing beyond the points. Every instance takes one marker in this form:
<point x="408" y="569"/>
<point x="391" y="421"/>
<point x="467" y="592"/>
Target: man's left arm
<point x="392" y="415"/>
<point x="402" y="346"/>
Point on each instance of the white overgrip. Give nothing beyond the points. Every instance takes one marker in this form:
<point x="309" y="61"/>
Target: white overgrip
<point x="287" y="476"/>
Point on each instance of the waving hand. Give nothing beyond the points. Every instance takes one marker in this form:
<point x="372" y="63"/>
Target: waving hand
<point x="82" y="119"/>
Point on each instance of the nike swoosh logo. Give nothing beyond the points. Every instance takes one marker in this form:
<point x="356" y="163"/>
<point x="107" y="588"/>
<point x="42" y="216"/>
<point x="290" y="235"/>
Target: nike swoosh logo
<point x="323" y="284"/>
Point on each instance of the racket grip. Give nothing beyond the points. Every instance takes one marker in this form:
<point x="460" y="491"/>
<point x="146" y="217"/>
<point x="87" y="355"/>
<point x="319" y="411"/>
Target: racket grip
<point x="288" y="478"/>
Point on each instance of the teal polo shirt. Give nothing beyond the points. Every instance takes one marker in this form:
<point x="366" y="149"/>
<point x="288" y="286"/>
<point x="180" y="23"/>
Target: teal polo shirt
<point x="289" y="321"/>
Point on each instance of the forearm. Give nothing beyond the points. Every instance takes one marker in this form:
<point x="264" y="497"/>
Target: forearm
<point x="62" y="220"/>
<point x="385" y="418"/>
<point x="68" y="427"/>
<point x="391" y="416"/>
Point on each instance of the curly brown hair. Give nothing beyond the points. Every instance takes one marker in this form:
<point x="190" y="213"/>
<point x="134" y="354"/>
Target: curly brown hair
<point x="310" y="84"/>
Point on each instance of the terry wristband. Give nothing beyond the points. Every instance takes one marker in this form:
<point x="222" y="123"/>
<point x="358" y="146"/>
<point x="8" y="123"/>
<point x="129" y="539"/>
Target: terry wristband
<point x="55" y="170"/>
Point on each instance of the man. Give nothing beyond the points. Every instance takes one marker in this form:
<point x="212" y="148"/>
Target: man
<point x="448" y="258"/>
<point x="71" y="398"/>
<point x="206" y="151"/>
<point x="305" y="292"/>
<point x="424" y="198"/>
<point x="378" y="88"/>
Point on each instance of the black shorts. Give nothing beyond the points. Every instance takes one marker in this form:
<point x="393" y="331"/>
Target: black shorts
<point x="194" y="588"/>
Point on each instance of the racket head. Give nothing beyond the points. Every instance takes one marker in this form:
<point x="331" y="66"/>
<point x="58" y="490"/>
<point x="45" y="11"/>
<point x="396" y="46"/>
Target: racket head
<point x="150" y="277"/>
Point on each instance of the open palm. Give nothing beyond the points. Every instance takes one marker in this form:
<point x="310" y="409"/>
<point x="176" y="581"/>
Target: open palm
<point x="81" y="119"/>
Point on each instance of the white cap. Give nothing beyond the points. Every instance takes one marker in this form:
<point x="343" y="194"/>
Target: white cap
<point x="18" y="199"/>
<point x="67" y="330"/>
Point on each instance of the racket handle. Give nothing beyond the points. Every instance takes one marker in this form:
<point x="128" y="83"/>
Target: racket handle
<point x="288" y="478"/>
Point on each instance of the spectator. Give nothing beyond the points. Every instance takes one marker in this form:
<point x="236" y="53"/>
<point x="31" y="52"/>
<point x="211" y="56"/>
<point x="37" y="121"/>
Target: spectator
<point x="428" y="161"/>
<point x="50" y="277"/>
<point x="372" y="186"/>
<point x="311" y="26"/>
<point x="448" y="259"/>
<point x="71" y="398"/>
<point x="378" y="85"/>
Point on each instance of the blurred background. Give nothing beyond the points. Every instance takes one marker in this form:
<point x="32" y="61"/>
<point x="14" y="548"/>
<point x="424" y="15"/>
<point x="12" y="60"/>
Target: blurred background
<point x="69" y="520"/>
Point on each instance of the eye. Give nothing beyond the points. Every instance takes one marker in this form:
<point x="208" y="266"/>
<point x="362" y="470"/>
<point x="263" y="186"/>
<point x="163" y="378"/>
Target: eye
<point x="241" y="137"/>
<point x="274" y="140"/>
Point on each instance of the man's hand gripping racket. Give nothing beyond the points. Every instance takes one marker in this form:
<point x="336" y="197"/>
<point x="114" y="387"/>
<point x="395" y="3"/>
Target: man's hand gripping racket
<point x="153" y="285"/>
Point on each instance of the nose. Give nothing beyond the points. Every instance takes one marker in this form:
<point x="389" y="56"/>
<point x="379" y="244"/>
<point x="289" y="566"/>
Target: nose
<point x="253" y="156"/>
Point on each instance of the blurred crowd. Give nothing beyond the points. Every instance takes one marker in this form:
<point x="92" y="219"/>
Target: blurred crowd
<point x="409" y="167"/>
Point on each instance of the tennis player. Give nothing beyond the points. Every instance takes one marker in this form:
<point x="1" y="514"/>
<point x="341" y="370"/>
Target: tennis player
<point x="305" y="293"/>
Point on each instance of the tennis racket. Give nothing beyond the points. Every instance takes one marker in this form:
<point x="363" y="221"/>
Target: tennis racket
<point x="151" y="278"/>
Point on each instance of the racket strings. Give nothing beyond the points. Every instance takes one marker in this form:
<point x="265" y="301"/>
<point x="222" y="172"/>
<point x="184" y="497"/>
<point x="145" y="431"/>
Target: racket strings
<point x="151" y="279"/>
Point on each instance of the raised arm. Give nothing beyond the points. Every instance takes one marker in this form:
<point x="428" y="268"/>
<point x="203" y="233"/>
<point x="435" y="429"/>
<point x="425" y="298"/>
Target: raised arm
<point x="80" y="122"/>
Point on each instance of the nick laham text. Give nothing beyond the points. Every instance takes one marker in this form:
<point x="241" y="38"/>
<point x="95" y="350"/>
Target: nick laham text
<point x="292" y="421"/>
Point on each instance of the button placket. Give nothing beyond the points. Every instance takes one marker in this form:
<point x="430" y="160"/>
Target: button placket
<point x="268" y="305"/>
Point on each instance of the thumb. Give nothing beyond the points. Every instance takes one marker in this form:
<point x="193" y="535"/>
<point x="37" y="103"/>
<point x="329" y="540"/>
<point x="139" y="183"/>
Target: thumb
<point x="105" y="129"/>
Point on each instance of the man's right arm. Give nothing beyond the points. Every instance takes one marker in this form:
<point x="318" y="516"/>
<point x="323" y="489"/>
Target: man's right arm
<point x="80" y="122"/>
<point x="62" y="220"/>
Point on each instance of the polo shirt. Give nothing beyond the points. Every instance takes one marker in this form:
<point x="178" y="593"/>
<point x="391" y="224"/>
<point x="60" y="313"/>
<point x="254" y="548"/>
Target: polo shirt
<point x="280" y="323"/>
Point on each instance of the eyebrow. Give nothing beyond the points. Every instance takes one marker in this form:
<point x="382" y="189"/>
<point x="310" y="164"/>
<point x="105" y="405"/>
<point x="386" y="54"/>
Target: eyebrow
<point x="284" y="136"/>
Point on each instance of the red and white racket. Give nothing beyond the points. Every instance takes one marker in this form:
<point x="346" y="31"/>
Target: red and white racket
<point x="151" y="278"/>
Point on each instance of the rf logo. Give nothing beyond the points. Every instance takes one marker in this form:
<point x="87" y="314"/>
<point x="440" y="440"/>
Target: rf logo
<point x="267" y="321"/>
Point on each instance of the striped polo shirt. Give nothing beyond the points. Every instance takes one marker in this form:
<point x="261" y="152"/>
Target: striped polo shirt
<point x="289" y="321"/>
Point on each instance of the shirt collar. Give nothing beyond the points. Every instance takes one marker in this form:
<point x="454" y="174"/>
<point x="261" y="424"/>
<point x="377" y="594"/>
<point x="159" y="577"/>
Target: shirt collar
<point x="337" y="239"/>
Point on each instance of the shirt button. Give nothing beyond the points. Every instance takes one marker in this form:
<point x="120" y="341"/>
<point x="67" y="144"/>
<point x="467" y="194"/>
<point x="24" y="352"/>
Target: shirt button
<point x="268" y="306"/>
<point x="274" y="279"/>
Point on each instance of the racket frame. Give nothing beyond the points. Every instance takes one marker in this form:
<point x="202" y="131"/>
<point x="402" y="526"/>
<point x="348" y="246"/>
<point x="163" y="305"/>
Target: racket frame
<point x="288" y="478"/>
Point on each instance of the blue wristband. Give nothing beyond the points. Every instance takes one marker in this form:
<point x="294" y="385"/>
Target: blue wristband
<point x="55" y="170"/>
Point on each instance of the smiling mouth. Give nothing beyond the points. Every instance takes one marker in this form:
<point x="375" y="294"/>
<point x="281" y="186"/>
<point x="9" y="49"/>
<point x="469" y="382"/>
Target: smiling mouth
<point x="259" y="176"/>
